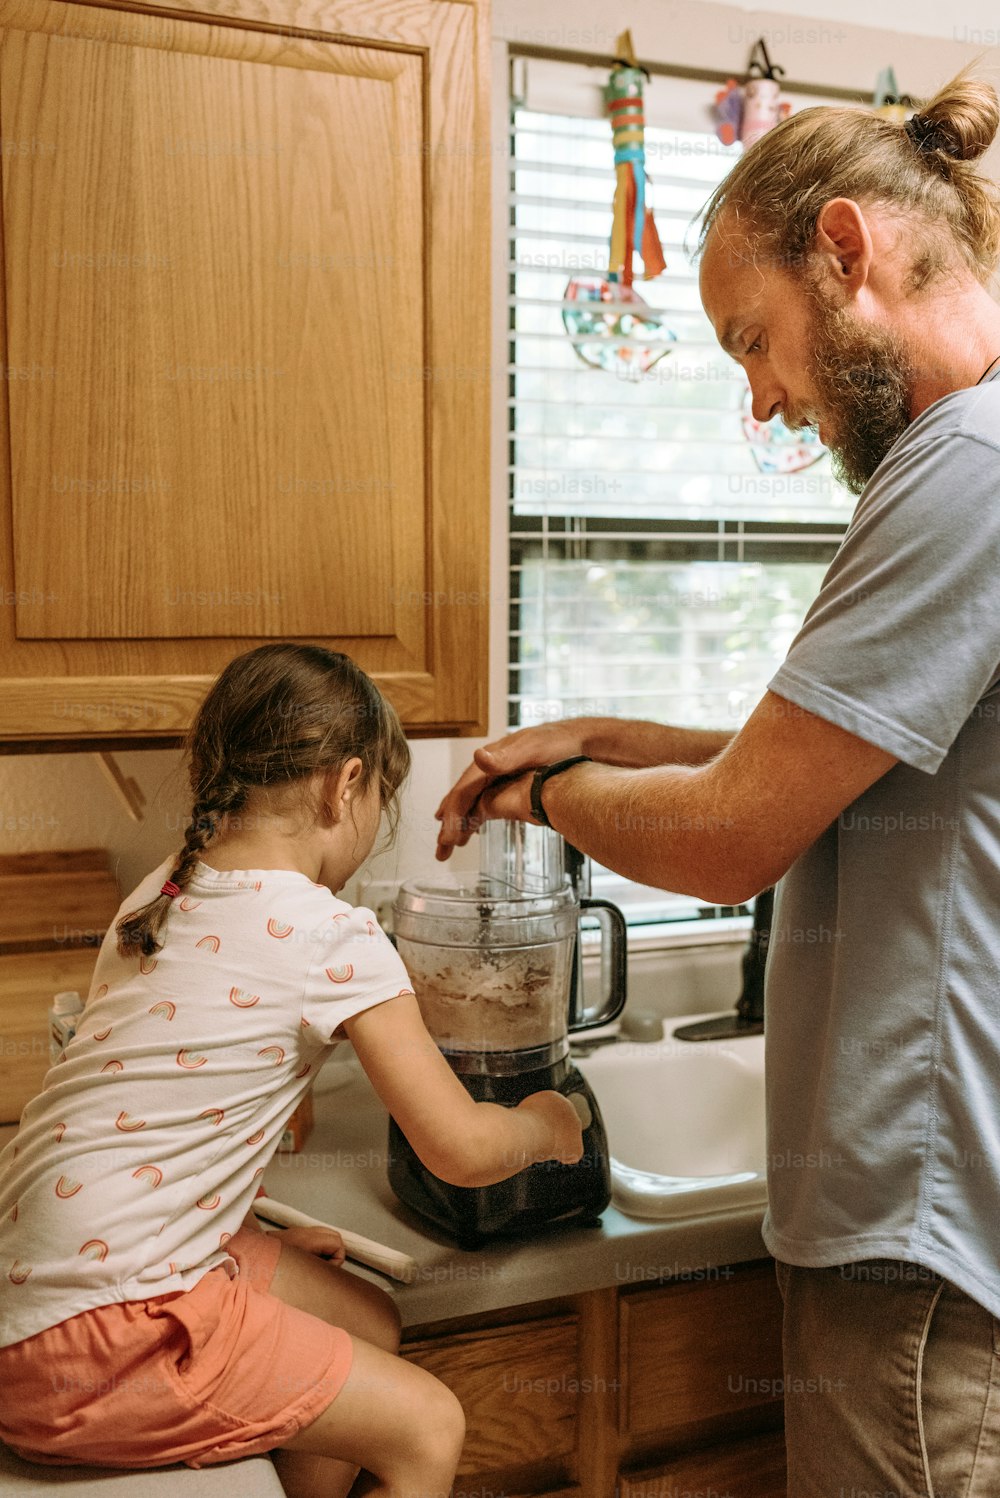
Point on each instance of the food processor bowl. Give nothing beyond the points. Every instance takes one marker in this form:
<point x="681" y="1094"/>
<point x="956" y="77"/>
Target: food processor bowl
<point x="491" y="969"/>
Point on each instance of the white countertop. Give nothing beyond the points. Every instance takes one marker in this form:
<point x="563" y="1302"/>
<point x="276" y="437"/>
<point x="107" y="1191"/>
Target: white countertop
<point x="340" y="1177"/>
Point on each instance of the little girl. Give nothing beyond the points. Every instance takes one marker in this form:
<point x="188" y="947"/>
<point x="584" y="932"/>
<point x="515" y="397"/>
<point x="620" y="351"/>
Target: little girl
<point x="146" y="1319"/>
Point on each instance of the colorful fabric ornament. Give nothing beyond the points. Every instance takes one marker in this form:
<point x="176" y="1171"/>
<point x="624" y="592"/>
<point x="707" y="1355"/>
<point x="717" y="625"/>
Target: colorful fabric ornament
<point x="775" y="447"/>
<point x="729" y="112"/>
<point x="745" y="112"/>
<point x="605" y="316"/>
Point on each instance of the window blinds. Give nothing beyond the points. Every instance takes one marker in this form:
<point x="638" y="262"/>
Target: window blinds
<point x="656" y="571"/>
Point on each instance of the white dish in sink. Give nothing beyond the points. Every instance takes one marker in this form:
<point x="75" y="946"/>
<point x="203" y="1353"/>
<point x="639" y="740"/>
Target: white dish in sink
<point x="685" y="1122"/>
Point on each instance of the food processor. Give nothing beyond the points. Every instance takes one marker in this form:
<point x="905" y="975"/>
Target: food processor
<point x="497" y="967"/>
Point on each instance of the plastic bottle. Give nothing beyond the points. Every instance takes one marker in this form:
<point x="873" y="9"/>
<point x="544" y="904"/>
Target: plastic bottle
<point x="63" y="1017"/>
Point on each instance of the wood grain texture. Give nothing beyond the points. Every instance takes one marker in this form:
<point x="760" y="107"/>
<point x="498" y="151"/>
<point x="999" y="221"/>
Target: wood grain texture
<point x="197" y="509"/>
<point x="520" y="1389"/>
<point x="597" y="1451"/>
<point x="755" y="1468"/>
<point x="694" y="1351"/>
<point x="49" y="902"/>
<point x="100" y="707"/>
<point x="27" y="984"/>
<point x="55" y="861"/>
<point x="228" y="244"/>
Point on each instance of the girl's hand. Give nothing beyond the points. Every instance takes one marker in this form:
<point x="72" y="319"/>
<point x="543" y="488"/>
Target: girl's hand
<point x="462" y="1142"/>
<point x="324" y="1242"/>
<point x="560" y="1130"/>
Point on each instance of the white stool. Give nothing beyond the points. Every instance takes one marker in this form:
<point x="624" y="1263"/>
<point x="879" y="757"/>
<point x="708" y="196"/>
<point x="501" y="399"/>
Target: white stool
<point x="249" y="1477"/>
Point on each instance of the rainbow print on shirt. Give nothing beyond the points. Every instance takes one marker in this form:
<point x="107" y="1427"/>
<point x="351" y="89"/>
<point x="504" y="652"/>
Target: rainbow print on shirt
<point x="151" y="1173"/>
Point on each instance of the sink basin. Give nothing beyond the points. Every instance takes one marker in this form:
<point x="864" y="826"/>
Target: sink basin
<point x="685" y="1122"/>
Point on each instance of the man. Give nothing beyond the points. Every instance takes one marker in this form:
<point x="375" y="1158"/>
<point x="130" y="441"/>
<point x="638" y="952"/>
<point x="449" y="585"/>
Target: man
<point x="845" y="262"/>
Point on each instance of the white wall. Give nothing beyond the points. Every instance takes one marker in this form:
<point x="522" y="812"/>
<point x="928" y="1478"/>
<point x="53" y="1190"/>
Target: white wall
<point x="63" y="800"/>
<point x="816" y="41"/>
<point x="978" y="21"/>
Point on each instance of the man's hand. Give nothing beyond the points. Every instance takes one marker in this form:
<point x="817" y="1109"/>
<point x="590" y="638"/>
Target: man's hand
<point x="721" y="828"/>
<point x="469" y="803"/>
<point x="626" y="742"/>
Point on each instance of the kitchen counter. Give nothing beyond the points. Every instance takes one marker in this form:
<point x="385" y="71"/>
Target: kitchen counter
<point x="340" y="1177"/>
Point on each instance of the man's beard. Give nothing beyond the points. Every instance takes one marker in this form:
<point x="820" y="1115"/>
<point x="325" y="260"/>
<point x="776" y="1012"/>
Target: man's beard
<point x="863" y="378"/>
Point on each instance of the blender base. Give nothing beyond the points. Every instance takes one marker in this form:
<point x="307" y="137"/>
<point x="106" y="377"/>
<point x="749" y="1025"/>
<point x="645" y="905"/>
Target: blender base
<point x="542" y="1197"/>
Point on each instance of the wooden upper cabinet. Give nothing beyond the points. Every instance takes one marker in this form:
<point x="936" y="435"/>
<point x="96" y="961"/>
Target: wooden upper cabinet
<point x="246" y="318"/>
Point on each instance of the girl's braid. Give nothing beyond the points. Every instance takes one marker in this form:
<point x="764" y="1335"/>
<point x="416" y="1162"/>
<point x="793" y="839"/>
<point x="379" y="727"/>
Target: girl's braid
<point x="206" y="815"/>
<point x="138" y="931"/>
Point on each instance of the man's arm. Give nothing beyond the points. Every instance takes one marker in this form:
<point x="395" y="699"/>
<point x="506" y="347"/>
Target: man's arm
<point x="629" y="743"/>
<point x="722" y="830"/>
<point x="635" y="744"/>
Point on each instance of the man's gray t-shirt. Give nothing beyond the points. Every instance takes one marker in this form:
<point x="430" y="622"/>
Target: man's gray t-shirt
<point x="883" y="974"/>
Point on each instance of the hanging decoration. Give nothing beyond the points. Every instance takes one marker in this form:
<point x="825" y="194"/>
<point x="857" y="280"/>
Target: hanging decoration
<point x="775" y="447"/>
<point x="611" y="326"/>
<point x="744" y="112"/>
<point x="888" y="101"/>
<point x="633" y="227"/>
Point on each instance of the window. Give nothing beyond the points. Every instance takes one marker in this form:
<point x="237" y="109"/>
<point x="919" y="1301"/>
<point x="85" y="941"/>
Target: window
<point x="656" y="570"/>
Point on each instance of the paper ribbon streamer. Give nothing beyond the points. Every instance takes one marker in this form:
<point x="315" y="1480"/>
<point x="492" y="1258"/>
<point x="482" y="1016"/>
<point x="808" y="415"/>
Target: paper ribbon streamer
<point x="606" y="315"/>
<point x="633" y="227"/>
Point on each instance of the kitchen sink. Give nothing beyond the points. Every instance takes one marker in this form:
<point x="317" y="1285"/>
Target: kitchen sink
<point x="685" y="1122"/>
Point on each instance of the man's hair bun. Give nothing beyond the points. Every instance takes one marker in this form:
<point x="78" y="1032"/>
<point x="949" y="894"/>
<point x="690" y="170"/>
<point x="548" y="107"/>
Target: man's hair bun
<point x="961" y="119"/>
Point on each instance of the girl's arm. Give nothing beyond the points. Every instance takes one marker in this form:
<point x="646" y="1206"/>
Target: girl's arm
<point x="462" y="1142"/>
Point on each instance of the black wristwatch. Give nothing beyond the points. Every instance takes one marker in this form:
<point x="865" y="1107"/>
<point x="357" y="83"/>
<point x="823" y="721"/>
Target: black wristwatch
<point x="541" y="776"/>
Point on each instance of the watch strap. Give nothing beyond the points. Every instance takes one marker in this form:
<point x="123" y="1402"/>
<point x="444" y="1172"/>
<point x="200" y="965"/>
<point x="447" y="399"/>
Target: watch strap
<point x="545" y="773"/>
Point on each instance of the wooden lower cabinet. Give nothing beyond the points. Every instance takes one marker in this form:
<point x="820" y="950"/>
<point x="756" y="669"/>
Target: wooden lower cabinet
<point x="518" y="1387"/>
<point x="664" y="1391"/>
<point x="754" y="1468"/>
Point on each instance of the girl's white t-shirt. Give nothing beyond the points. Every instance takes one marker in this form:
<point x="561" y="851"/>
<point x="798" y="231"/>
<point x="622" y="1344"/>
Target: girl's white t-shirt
<point x="141" y="1155"/>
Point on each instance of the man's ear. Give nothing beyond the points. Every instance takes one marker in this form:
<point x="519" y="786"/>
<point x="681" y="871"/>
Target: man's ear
<point x="842" y="247"/>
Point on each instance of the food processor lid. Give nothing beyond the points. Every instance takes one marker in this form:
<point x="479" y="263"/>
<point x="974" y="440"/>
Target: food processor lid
<point x="479" y="899"/>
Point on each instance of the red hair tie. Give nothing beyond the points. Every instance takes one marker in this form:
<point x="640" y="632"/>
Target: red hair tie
<point x="171" y="889"/>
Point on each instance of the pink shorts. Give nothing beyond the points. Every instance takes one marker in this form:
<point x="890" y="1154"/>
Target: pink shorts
<point x="199" y="1376"/>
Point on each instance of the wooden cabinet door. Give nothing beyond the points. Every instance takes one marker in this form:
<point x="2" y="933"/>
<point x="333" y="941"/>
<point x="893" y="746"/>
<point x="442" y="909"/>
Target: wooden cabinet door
<point x="245" y="320"/>
<point x="520" y="1387"/>
<point x="703" y="1352"/>
<point x="742" y="1469"/>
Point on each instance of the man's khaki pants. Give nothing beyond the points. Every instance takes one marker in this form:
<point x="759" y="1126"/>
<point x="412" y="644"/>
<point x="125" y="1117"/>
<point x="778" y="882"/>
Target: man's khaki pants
<point x="892" y="1384"/>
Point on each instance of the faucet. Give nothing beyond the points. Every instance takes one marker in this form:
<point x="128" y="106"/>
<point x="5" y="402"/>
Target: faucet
<point x="749" y="1016"/>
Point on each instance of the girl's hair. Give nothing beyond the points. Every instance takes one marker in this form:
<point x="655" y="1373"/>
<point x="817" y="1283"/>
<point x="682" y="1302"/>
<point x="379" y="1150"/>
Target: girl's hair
<point x="922" y="171"/>
<point x="274" y="717"/>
